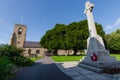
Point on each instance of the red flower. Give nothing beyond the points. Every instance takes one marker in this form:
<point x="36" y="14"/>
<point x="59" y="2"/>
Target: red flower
<point x="94" y="57"/>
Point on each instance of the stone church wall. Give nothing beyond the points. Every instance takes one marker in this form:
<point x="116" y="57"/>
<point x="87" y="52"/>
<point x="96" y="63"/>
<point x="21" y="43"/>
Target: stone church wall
<point x="65" y="52"/>
<point x="33" y="51"/>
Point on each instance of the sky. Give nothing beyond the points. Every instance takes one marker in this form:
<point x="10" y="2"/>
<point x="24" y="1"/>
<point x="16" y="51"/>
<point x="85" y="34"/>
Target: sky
<point x="42" y="15"/>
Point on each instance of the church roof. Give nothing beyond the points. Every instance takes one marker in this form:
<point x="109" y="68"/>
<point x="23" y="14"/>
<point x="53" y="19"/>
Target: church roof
<point x="31" y="44"/>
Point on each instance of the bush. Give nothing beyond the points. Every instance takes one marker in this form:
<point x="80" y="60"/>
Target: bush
<point x="5" y="68"/>
<point x="22" y="61"/>
<point x="14" y="55"/>
<point x="10" y="58"/>
<point x="10" y="51"/>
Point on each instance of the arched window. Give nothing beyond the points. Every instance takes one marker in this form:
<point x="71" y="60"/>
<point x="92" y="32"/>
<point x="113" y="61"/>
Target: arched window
<point x="20" y="31"/>
<point x="18" y="42"/>
<point x="29" y="51"/>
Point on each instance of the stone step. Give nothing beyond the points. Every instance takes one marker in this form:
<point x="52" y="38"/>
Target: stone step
<point x="89" y="75"/>
<point x="92" y="68"/>
<point x="78" y="73"/>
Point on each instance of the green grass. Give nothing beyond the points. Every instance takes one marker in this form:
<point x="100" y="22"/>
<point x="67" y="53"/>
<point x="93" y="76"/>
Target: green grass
<point x="76" y="58"/>
<point x="116" y="55"/>
<point x="66" y="58"/>
<point x="35" y="59"/>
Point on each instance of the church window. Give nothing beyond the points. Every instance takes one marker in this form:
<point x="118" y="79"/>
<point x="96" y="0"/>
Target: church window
<point x="18" y="42"/>
<point x="20" y="31"/>
<point x="29" y="51"/>
<point x="19" y="36"/>
<point x="37" y="51"/>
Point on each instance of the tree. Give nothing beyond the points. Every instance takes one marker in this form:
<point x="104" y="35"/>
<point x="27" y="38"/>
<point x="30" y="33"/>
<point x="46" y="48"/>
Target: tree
<point x="113" y="41"/>
<point x="73" y="36"/>
<point x="53" y="38"/>
<point x="77" y="34"/>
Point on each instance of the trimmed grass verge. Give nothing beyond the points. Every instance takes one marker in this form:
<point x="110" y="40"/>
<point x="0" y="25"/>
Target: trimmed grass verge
<point x="36" y="58"/>
<point x="116" y="55"/>
<point x="76" y="58"/>
<point x="66" y="58"/>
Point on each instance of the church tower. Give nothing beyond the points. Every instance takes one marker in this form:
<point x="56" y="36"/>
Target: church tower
<point x="19" y="36"/>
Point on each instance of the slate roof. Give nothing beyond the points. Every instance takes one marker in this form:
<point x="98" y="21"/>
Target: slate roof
<point x="31" y="44"/>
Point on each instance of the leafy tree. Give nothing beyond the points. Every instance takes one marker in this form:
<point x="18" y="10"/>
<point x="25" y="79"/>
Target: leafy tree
<point x="77" y="34"/>
<point x="72" y="36"/>
<point x="113" y="41"/>
<point x="54" y="37"/>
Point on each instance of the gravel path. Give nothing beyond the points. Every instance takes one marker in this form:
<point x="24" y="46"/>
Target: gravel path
<point x="44" y="69"/>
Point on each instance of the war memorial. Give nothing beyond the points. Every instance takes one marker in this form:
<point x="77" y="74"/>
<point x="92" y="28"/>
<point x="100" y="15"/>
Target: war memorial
<point x="97" y="58"/>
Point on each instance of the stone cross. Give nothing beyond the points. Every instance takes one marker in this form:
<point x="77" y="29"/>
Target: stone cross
<point x="91" y="24"/>
<point x="97" y="58"/>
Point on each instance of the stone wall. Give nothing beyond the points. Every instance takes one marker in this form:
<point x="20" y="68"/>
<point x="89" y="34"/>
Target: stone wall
<point x="20" y="38"/>
<point x="65" y="52"/>
<point x="34" y="51"/>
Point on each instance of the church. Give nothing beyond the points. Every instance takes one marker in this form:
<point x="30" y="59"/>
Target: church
<point x="18" y="39"/>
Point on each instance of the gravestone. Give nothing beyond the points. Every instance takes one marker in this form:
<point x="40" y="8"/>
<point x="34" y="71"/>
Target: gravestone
<point x="97" y="57"/>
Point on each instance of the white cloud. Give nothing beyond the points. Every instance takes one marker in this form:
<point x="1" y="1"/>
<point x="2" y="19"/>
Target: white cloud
<point x="108" y="27"/>
<point x="113" y="27"/>
<point x="117" y="23"/>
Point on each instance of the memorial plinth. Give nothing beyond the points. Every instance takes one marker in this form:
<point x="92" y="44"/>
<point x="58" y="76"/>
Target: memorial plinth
<point x="97" y="58"/>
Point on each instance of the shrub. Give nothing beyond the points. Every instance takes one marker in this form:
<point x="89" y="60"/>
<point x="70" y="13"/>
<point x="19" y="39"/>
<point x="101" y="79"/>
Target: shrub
<point x="10" y="58"/>
<point x="22" y="61"/>
<point x="14" y="55"/>
<point x="10" y="51"/>
<point x="5" y="68"/>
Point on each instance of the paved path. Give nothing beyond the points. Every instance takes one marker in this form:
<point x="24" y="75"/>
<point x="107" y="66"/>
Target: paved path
<point x="44" y="69"/>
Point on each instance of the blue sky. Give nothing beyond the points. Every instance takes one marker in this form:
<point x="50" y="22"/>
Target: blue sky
<point x="42" y="15"/>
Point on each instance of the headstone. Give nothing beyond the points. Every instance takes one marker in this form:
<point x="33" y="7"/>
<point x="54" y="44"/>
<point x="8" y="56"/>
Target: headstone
<point x="97" y="58"/>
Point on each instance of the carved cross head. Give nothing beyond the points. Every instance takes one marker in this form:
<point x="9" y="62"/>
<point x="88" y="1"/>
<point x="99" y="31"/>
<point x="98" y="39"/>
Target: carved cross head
<point x="88" y="7"/>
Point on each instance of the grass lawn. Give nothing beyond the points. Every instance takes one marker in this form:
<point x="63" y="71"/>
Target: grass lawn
<point x="36" y="58"/>
<point x="75" y="58"/>
<point x="116" y="55"/>
<point x="66" y="58"/>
